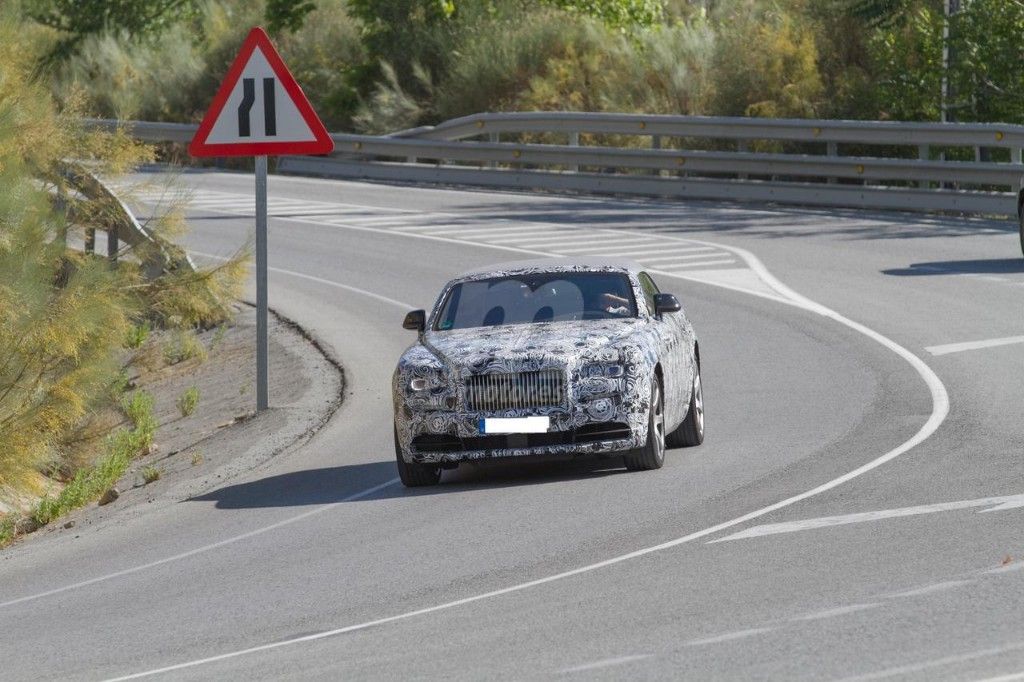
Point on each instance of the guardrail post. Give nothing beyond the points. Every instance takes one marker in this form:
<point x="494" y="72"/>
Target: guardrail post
<point x="574" y="141"/>
<point x="655" y="144"/>
<point x="112" y="244"/>
<point x="923" y="153"/>
<point x="1016" y="155"/>
<point x="742" y="147"/>
<point x="495" y="138"/>
<point x="832" y="149"/>
<point x="90" y="240"/>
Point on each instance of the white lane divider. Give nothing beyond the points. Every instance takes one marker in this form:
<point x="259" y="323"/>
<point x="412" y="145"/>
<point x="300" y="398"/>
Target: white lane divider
<point x="605" y="663"/>
<point x="991" y="504"/>
<point x="974" y="345"/>
<point x="782" y="293"/>
<point x="904" y="670"/>
<point x="729" y="636"/>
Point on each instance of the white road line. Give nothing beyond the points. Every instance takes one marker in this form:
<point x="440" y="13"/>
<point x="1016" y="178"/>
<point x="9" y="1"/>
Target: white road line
<point x="424" y="223"/>
<point x="973" y="345"/>
<point x="688" y="256"/>
<point x="836" y="612"/>
<point x="474" y="230"/>
<point x="605" y="663"/>
<point x="925" y="590"/>
<point x="934" y="663"/>
<point x="623" y="243"/>
<point x="679" y="252"/>
<point x="697" y="264"/>
<point x="199" y="550"/>
<point x="940" y="409"/>
<point x="728" y="637"/>
<point x="1012" y="677"/>
<point x="641" y="250"/>
<point x="539" y="235"/>
<point x="1003" y="503"/>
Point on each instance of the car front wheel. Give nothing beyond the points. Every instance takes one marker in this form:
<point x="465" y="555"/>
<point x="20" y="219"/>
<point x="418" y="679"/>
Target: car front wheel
<point x="691" y="431"/>
<point x="415" y="475"/>
<point x="652" y="454"/>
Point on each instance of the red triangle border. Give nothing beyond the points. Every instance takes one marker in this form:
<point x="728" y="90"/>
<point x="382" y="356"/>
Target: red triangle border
<point x="322" y="144"/>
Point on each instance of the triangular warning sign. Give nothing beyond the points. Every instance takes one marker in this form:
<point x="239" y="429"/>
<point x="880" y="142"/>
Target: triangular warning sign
<point x="260" y="109"/>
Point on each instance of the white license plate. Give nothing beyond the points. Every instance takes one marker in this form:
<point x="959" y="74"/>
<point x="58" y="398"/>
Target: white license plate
<point x="515" y="424"/>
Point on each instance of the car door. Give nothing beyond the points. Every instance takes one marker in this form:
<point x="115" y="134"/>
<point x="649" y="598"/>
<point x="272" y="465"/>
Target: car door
<point x="669" y="332"/>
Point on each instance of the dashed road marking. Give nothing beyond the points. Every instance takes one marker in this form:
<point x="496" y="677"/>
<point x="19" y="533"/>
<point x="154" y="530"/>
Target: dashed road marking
<point x="605" y="663"/>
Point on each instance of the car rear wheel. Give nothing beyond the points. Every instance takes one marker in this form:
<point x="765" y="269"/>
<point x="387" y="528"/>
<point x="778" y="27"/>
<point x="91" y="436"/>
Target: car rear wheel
<point x="415" y="475"/>
<point x="691" y="431"/>
<point x="652" y="454"/>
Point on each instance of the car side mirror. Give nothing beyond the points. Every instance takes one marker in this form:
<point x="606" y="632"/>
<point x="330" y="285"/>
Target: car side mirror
<point x="666" y="303"/>
<point x="415" y="320"/>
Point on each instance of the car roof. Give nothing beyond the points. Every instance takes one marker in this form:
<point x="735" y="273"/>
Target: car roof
<point x="554" y="264"/>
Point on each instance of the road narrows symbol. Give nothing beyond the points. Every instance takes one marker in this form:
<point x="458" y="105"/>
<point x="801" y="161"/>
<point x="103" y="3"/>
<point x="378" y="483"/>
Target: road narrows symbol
<point x="248" y="97"/>
<point x="269" y="114"/>
<point x="245" y="107"/>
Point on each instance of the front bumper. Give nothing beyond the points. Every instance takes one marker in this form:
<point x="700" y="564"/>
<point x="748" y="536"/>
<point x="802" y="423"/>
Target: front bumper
<point x="586" y="439"/>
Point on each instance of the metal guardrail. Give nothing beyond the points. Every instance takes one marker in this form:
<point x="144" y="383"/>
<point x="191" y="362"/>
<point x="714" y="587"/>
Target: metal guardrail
<point x="448" y="154"/>
<point x="120" y="224"/>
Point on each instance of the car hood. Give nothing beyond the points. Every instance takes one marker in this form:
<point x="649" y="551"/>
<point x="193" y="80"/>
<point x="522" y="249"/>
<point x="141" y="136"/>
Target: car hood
<point x="532" y="345"/>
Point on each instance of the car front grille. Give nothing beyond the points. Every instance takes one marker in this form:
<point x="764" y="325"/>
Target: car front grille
<point x="515" y="391"/>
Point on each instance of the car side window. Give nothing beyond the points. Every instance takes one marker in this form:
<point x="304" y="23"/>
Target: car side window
<point x="650" y="289"/>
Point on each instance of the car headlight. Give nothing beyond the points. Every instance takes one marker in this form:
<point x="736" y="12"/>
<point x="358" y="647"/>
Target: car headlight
<point x="601" y="369"/>
<point x="427" y="379"/>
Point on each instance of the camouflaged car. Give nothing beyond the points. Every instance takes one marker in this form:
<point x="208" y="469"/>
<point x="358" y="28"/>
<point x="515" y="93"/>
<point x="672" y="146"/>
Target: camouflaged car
<point x="554" y="357"/>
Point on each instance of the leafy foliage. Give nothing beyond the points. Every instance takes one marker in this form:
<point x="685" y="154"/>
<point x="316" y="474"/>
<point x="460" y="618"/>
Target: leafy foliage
<point x="287" y="15"/>
<point x="616" y="13"/>
<point x="78" y="19"/>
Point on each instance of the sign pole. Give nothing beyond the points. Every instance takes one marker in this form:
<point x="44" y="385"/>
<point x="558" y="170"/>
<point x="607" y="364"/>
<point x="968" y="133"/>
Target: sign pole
<point x="262" y="392"/>
<point x="259" y="110"/>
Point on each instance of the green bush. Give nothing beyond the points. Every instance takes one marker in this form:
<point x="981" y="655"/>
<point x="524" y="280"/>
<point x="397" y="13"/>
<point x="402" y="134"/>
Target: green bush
<point x="188" y="401"/>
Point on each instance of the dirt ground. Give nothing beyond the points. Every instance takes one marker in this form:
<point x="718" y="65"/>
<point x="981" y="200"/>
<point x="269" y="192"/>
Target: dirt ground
<point x="222" y="437"/>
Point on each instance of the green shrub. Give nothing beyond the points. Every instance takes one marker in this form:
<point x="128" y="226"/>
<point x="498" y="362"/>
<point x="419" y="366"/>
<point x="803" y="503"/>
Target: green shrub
<point x="188" y="401"/>
<point x="183" y="346"/>
<point x="150" y="474"/>
<point x="137" y="335"/>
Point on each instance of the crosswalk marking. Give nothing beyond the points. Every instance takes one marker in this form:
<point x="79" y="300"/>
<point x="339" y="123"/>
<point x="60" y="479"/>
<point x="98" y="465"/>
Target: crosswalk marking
<point x="704" y="263"/>
<point x="650" y="247"/>
<point x="698" y="252"/>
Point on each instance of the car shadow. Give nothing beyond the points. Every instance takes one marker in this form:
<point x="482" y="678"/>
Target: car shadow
<point x="328" y="485"/>
<point x="996" y="266"/>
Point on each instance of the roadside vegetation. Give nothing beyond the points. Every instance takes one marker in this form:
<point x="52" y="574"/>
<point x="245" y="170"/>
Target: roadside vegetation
<point x="73" y="326"/>
<point x="376" y="66"/>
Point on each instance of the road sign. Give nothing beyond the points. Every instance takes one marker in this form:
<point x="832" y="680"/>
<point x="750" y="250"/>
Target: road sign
<point x="260" y="111"/>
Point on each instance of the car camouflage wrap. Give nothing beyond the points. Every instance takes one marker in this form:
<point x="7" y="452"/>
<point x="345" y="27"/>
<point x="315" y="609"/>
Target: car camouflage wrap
<point x="580" y="352"/>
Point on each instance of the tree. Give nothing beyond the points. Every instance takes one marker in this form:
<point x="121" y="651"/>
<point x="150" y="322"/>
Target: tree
<point x="77" y="19"/>
<point x="287" y="15"/>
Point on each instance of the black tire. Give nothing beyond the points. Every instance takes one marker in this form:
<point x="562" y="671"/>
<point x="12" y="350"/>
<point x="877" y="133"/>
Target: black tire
<point x="652" y="454"/>
<point x="415" y="475"/>
<point x="1020" y="224"/>
<point x="691" y="431"/>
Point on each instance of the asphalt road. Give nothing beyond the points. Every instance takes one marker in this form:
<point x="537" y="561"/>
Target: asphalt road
<point x="812" y="536"/>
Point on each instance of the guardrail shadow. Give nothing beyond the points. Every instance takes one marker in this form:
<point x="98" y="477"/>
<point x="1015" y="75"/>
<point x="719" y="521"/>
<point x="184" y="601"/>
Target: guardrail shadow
<point x="311" y="487"/>
<point x="995" y="266"/>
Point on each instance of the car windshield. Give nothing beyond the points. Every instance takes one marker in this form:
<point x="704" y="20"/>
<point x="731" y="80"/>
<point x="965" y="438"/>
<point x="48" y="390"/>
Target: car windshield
<point x="543" y="297"/>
